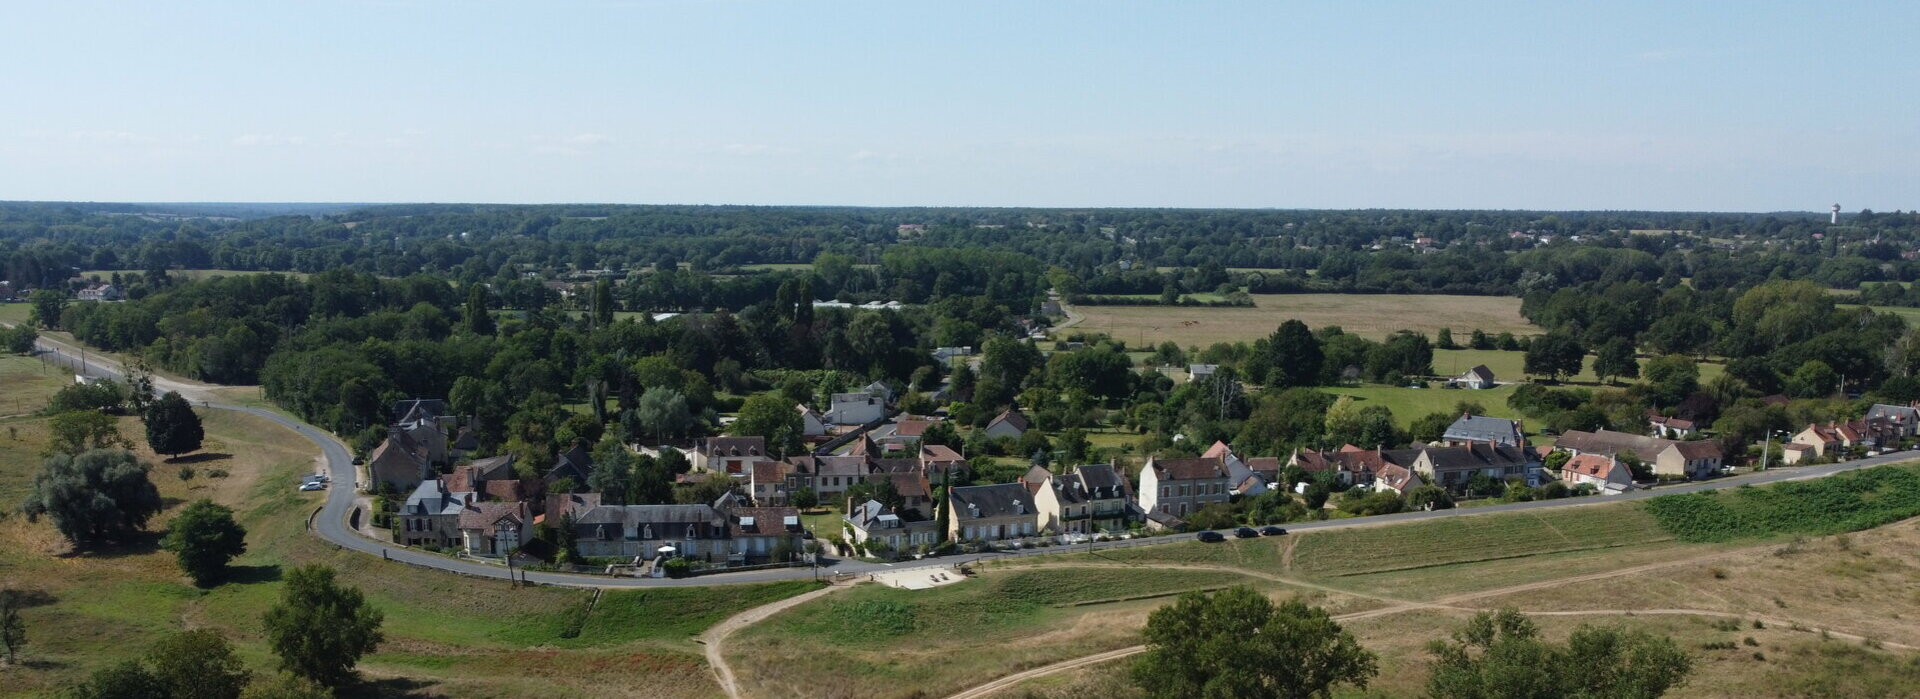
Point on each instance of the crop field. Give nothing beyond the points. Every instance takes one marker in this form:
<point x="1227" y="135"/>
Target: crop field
<point x="1368" y="315"/>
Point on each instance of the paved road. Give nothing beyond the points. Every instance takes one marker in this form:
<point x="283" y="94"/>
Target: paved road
<point x="331" y="524"/>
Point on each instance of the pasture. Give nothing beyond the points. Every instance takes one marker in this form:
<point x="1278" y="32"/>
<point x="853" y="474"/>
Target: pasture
<point x="1369" y="315"/>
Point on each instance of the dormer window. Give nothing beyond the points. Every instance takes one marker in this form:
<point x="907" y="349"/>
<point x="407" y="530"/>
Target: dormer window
<point x="690" y="532"/>
<point x="646" y="531"/>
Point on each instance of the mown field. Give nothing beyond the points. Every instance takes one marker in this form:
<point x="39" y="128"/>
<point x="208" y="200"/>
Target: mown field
<point x="1369" y="315"/>
<point x="13" y="313"/>
<point x="1409" y="404"/>
<point x="447" y="635"/>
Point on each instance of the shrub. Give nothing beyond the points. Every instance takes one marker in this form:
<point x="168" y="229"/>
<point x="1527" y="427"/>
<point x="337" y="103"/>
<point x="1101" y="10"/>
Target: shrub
<point x="677" y="567"/>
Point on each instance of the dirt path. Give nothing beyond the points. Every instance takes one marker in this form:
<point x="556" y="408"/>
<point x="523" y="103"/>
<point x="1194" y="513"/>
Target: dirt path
<point x="715" y="638"/>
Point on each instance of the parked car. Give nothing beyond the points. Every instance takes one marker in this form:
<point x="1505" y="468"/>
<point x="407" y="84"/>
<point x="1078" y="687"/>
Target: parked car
<point x="1272" y="531"/>
<point x="1210" y="536"/>
<point x="308" y="487"/>
<point x="1245" y="533"/>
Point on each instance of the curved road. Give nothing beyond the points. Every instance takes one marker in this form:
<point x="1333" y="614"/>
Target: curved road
<point x="331" y="525"/>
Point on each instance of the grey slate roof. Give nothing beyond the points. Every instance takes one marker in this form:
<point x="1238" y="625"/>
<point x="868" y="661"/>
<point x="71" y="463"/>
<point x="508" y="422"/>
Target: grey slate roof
<point x="997" y="500"/>
<point x="1480" y="428"/>
<point x="1102" y="481"/>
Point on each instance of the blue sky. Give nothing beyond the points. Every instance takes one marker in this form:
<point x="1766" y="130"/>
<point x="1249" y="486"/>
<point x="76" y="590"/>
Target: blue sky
<point x="1694" y="106"/>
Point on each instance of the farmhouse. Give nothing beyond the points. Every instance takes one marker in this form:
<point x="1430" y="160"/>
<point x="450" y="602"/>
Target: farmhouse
<point x="1696" y="459"/>
<point x="1670" y="427"/>
<point x="1478" y="377"/>
<point x="1010" y="424"/>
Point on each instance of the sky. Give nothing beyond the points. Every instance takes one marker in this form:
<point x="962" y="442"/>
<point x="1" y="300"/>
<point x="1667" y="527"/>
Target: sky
<point x="1721" y="106"/>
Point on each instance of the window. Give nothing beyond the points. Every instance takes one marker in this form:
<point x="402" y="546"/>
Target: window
<point x="1166" y="491"/>
<point x="646" y="531"/>
<point x="690" y="533"/>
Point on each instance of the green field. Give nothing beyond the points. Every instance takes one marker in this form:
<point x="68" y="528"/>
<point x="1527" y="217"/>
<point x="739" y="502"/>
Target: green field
<point x="1906" y="313"/>
<point x="1409" y="404"/>
<point x="15" y="313"/>
<point x="1368" y="315"/>
<point x="29" y="383"/>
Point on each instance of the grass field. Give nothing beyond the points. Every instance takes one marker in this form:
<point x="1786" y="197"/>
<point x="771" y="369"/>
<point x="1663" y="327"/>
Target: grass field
<point x="1409" y="404"/>
<point x="193" y="274"/>
<point x="1369" y="315"/>
<point x="1906" y="313"/>
<point x="875" y="641"/>
<point x="15" y="313"/>
<point x="29" y="383"/>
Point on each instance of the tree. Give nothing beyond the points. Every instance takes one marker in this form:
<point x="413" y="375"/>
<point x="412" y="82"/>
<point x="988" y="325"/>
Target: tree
<point x="1238" y="643"/>
<point x="1501" y="654"/>
<point x="98" y="396"/>
<point x="1074" y="445"/>
<point x="1615" y="360"/>
<point x="1813" y="379"/>
<point x="96" y="495"/>
<point x="47" y="307"/>
<point x="603" y="305"/>
<point x="198" y="664"/>
<point x="20" y="339"/>
<point x="125" y="680"/>
<point x="1445" y="340"/>
<point x="663" y="412"/>
<point x="81" y="430"/>
<point x="13" y="625"/>
<point x="478" y="320"/>
<point x="1432" y="426"/>
<point x="1671" y="378"/>
<point x="1554" y="354"/>
<point x="204" y="537"/>
<point x="804" y="498"/>
<point x="172" y="426"/>
<point x="1294" y="356"/>
<point x="771" y="416"/>
<point x="321" y="628"/>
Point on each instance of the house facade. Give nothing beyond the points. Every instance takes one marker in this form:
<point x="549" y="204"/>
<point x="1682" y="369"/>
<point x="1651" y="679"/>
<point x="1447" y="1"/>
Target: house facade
<point x="1479" y="377"/>
<point x="1092" y="498"/>
<point x="494" y="528"/>
<point x="1010" y="424"/>
<point x="398" y="463"/>
<point x="733" y="456"/>
<point x="855" y="408"/>
<point x="430" y="516"/>
<point x="1180" y="487"/>
<point x="871" y="521"/>
<point x="1605" y="473"/>
<point x="1692" y="459"/>
<point x="991" y="512"/>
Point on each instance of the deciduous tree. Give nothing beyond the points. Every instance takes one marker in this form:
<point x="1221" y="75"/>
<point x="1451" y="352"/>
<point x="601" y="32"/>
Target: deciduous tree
<point x="1237" y="643"/>
<point x="320" y="628"/>
<point x="172" y="426"/>
<point x="96" y="495"/>
<point x="204" y="538"/>
<point x="1501" y="654"/>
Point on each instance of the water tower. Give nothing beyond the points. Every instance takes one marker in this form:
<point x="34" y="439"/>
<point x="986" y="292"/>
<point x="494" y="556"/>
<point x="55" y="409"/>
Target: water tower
<point x="1835" y="219"/>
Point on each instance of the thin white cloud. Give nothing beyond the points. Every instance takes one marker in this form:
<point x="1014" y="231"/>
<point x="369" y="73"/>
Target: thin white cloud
<point x="260" y="140"/>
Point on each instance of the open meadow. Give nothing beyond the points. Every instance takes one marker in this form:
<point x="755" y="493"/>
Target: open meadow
<point x="1369" y="315"/>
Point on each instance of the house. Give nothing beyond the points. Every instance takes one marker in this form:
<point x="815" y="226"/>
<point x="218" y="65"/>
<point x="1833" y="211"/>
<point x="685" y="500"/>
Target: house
<point x="916" y="493"/>
<point x="991" y="512"/>
<point x="733" y="456"/>
<point x="431" y="440"/>
<point x="467" y="441"/>
<point x="1670" y="427"/>
<point x="757" y="534"/>
<point x="1476" y="378"/>
<point x="880" y="389"/>
<point x="1200" y="372"/>
<point x="1092" y="498"/>
<point x="871" y="521"/>
<point x="100" y="292"/>
<point x="1452" y="466"/>
<point x="430" y="516"/>
<point x="489" y="479"/>
<point x="1180" y="487"/>
<point x="1605" y="473"/>
<point x="1472" y="428"/>
<point x="1904" y="419"/>
<point x="397" y="463"/>
<point x="828" y="476"/>
<point x="937" y="460"/>
<point x="1833" y="438"/>
<point x="1010" y="424"/>
<point x="419" y="410"/>
<point x="902" y="435"/>
<point x="856" y="408"/>
<point x="575" y="464"/>
<point x="494" y="528"/>
<point x="1267" y="468"/>
<point x="1396" y="478"/>
<point x="642" y="531"/>
<point x="1695" y="459"/>
<point x="812" y="423"/>
<point x="767" y="482"/>
<point x="1245" y="481"/>
<point x="1791" y="453"/>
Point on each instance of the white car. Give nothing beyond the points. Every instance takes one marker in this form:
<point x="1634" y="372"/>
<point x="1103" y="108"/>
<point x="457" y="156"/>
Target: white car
<point x="312" y="486"/>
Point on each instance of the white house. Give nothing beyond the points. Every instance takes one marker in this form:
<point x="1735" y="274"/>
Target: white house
<point x="856" y="408"/>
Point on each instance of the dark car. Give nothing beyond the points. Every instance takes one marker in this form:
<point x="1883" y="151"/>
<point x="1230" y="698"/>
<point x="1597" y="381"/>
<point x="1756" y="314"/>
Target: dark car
<point x="1210" y="536"/>
<point x="1245" y="533"/>
<point x="1272" y="531"/>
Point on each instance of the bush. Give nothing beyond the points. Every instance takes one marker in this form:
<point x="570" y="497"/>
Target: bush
<point x="677" y="567"/>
